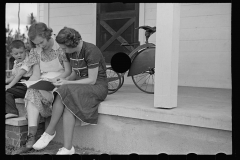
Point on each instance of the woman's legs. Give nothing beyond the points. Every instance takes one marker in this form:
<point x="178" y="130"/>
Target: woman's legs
<point x="56" y="115"/>
<point x="68" y="128"/>
<point x="33" y="120"/>
<point x="33" y="114"/>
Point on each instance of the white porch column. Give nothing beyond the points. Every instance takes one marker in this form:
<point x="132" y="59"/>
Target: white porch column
<point x="166" y="58"/>
<point x="46" y="14"/>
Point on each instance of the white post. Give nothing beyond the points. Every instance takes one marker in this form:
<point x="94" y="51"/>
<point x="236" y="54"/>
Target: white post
<point x="46" y="14"/>
<point x="166" y="58"/>
<point x="38" y="12"/>
<point x="141" y="32"/>
<point x="94" y="31"/>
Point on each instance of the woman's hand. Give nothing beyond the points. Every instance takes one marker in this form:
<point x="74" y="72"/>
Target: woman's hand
<point x="53" y="80"/>
<point x="60" y="81"/>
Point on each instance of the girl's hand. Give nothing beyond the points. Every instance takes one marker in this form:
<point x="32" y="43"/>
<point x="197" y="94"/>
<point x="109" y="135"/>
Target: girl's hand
<point x="60" y="81"/>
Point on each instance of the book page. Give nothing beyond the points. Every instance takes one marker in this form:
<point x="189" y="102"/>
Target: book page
<point x="43" y="85"/>
<point x="29" y="83"/>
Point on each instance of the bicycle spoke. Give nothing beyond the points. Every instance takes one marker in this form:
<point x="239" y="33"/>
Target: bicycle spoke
<point x="110" y="85"/>
<point x="141" y="78"/>
<point x="143" y="83"/>
<point x="148" y="81"/>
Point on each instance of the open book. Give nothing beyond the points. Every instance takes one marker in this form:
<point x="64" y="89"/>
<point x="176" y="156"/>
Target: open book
<point x="42" y="84"/>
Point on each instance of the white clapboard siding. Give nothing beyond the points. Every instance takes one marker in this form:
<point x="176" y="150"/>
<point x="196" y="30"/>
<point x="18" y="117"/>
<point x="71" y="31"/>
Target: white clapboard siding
<point x="63" y="5"/>
<point x="205" y="45"/>
<point x="205" y="37"/>
<point x="206" y="21"/>
<point x="205" y="33"/>
<point x="205" y="9"/>
<point x="70" y="11"/>
<point x="66" y="20"/>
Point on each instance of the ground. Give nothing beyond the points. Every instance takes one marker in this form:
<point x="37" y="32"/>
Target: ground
<point x="52" y="148"/>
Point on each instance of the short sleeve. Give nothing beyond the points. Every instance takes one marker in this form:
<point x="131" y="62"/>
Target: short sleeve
<point x="62" y="55"/>
<point x="33" y="58"/>
<point x="25" y="67"/>
<point x="93" y="57"/>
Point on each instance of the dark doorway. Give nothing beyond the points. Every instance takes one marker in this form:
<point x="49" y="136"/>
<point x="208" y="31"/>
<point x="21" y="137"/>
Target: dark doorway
<point x="116" y="23"/>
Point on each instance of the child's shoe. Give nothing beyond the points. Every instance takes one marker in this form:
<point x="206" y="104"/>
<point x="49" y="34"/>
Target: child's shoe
<point x="65" y="151"/>
<point x="10" y="115"/>
<point x="43" y="141"/>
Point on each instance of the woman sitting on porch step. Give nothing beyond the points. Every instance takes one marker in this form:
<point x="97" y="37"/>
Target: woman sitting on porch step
<point x="79" y="95"/>
<point x="53" y="65"/>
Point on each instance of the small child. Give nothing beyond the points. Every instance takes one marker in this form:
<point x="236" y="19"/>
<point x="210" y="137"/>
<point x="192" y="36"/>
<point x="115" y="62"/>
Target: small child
<point x="20" y="72"/>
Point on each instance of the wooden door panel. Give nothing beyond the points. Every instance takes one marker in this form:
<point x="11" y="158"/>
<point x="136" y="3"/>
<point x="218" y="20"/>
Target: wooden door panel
<point x="116" y="34"/>
<point x="118" y="15"/>
<point x="115" y="26"/>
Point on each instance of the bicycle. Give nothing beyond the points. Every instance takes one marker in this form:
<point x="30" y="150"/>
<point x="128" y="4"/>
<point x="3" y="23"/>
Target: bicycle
<point x="142" y="66"/>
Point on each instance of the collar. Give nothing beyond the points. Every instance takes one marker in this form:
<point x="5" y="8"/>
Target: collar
<point x="19" y="63"/>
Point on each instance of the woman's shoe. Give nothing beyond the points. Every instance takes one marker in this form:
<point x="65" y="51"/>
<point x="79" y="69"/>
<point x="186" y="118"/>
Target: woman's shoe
<point x="43" y="141"/>
<point x="65" y="151"/>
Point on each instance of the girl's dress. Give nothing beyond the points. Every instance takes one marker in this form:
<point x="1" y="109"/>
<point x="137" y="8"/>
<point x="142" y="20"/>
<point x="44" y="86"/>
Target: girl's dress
<point x="83" y="99"/>
<point x="51" y="66"/>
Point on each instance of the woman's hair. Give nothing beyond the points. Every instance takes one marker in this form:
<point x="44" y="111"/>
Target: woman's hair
<point x="39" y="29"/>
<point x="69" y="37"/>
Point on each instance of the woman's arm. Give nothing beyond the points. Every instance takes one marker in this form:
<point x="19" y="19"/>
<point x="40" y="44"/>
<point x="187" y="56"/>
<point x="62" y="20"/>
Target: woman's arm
<point x="36" y="73"/>
<point x="67" y="71"/>
<point x="67" y="67"/>
<point x="92" y="77"/>
<point x="72" y="76"/>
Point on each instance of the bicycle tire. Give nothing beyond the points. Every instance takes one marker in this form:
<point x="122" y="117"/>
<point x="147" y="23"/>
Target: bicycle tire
<point x="139" y="87"/>
<point x="111" y="79"/>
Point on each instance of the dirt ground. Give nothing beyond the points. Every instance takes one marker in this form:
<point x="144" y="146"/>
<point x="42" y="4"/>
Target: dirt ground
<point x="52" y="149"/>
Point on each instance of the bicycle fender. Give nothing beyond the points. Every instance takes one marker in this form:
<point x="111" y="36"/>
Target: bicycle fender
<point x="135" y="51"/>
<point x="142" y="61"/>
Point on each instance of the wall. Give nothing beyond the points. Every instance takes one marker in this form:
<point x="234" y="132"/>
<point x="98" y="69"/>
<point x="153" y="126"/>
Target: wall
<point x="80" y="16"/>
<point x="205" y="37"/>
<point x="205" y="43"/>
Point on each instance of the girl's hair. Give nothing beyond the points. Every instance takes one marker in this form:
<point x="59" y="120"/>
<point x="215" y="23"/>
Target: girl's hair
<point x="68" y="37"/>
<point x="39" y="29"/>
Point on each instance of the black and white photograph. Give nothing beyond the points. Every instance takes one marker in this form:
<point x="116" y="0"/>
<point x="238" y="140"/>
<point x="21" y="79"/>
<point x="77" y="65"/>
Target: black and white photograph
<point x="118" y="78"/>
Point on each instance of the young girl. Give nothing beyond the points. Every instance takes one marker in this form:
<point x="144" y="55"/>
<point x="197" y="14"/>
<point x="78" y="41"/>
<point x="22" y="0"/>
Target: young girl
<point x="78" y="95"/>
<point x="53" y="65"/>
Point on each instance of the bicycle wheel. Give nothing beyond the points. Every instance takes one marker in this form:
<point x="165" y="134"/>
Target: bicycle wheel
<point x="114" y="80"/>
<point x="145" y="81"/>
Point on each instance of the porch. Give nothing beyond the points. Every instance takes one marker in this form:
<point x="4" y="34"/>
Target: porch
<point x="128" y="123"/>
